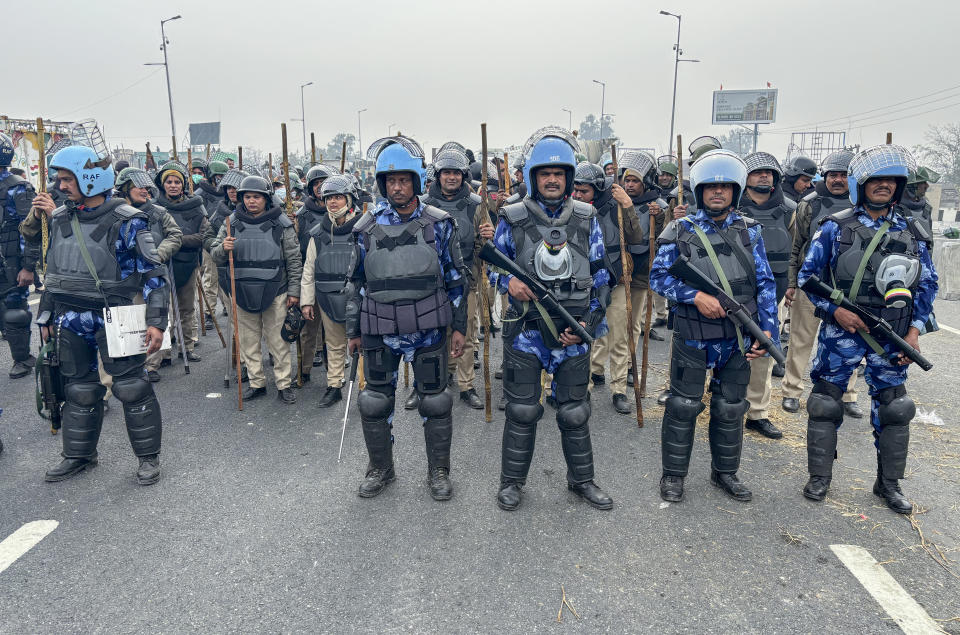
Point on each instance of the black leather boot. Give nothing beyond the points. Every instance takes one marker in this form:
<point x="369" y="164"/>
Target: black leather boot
<point x="591" y="492"/>
<point x="149" y="470"/>
<point x="671" y="488"/>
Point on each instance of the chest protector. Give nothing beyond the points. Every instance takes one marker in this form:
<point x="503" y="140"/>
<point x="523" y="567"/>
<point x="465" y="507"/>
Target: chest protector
<point x="306" y="220"/>
<point x="258" y="264"/>
<point x="68" y="278"/>
<point x="734" y="249"/>
<point x="607" y="211"/>
<point x="186" y="260"/>
<point x="530" y="225"/>
<point x="405" y="290"/>
<point x="853" y="239"/>
<point x="775" y="229"/>
<point x="334" y="247"/>
<point x="462" y="210"/>
<point x="10" y="225"/>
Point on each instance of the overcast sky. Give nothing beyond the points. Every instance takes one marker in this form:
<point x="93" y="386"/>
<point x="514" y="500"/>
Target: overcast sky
<point x="438" y="69"/>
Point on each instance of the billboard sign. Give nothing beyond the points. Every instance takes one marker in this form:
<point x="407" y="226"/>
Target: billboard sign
<point x="744" y="106"/>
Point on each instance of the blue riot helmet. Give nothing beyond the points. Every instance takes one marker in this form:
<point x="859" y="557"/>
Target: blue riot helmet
<point x="718" y="166"/>
<point x="883" y="160"/>
<point x="550" y="146"/>
<point x="398" y="154"/>
<point x="6" y="150"/>
<point x="94" y="175"/>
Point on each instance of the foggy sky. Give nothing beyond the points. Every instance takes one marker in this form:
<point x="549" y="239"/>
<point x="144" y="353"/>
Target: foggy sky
<point x="438" y="69"/>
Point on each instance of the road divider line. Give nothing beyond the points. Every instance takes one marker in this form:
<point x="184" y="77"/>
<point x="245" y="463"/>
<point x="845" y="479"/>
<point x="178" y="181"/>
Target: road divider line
<point x="949" y="329"/>
<point x="898" y="604"/>
<point x="23" y="540"/>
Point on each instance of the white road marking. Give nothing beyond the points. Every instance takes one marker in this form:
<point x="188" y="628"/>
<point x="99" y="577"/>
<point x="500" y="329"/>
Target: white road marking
<point x="33" y="302"/>
<point x="949" y="329"/>
<point x="22" y="540"/>
<point x="909" y="616"/>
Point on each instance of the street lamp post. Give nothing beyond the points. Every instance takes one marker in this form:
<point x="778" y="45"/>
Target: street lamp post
<point x="603" y="99"/>
<point x="570" y="116"/>
<point x="390" y="129"/>
<point x="676" y="66"/>
<point x="166" y="68"/>
<point x="360" y="133"/>
<point x="303" y="117"/>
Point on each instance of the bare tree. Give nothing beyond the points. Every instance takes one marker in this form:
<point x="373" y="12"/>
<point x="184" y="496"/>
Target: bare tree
<point x="942" y="151"/>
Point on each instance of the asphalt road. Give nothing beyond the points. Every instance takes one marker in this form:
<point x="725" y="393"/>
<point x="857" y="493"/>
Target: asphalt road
<point x="255" y="526"/>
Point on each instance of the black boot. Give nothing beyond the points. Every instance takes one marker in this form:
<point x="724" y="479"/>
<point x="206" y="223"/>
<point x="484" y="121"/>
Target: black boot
<point x="591" y="492"/>
<point x="17" y="332"/>
<point x="726" y="443"/>
<point x="671" y="488"/>
<point x="330" y="397"/>
<point x="778" y="370"/>
<point x="510" y="495"/>
<point x="80" y="430"/>
<point x="889" y="490"/>
<point x="412" y="401"/>
<point x="764" y="427"/>
<point x="375" y="409"/>
<point x="519" y="439"/>
<point x="572" y="418"/>
<point x="437" y="436"/>
<point x="250" y="393"/>
<point x="621" y="404"/>
<point x="149" y="470"/>
<point x="68" y="468"/>
<point x="895" y="410"/>
<point x="729" y="483"/>
<point x="826" y="413"/>
<point x="817" y="487"/>
<point x="471" y="398"/>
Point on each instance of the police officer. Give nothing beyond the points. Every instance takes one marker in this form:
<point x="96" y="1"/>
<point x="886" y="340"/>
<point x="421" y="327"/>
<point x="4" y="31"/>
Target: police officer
<point x="764" y="202"/>
<point x="830" y="195"/>
<point x="729" y="249"/>
<point x="208" y="188"/>
<point x="798" y="175"/>
<point x="101" y="255"/>
<point x="312" y="212"/>
<point x="267" y="269"/>
<point x="405" y="288"/>
<point x="914" y="200"/>
<point x="19" y="263"/>
<point x="190" y="214"/>
<point x="224" y="208"/>
<point x="591" y="186"/>
<point x="860" y="248"/>
<point x="558" y="240"/>
<point x="451" y="193"/>
<point x="329" y="250"/>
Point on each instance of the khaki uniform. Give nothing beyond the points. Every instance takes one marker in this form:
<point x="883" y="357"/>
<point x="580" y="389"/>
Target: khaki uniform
<point x="334" y="333"/>
<point x="187" y="299"/>
<point x="210" y="283"/>
<point x="255" y="327"/>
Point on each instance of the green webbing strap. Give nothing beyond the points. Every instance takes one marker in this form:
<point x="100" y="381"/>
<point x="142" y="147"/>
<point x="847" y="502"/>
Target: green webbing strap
<point x="858" y="278"/>
<point x="543" y="314"/>
<point x="702" y="235"/>
<point x="75" y="223"/>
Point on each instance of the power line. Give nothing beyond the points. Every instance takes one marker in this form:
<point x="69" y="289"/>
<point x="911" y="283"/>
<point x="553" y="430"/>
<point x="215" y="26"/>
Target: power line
<point x="877" y="123"/>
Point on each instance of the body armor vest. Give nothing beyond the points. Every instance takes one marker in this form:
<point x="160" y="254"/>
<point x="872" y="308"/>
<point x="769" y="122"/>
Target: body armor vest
<point x="334" y="245"/>
<point x="209" y="194"/>
<point x="607" y="210"/>
<point x="734" y="249"/>
<point x="921" y="211"/>
<point x="853" y="239"/>
<point x="68" y="278"/>
<point x="405" y="290"/>
<point x="462" y="209"/>
<point x="308" y="216"/>
<point x="189" y="215"/>
<point x="258" y="265"/>
<point x="530" y="225"/>
<point x="10" y="226"/>
<point x="774" y="217"/>
<point x="640" y="204"/>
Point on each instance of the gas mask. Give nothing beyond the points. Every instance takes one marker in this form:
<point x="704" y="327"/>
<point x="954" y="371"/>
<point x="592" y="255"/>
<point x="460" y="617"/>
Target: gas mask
<point x="895" y="275"/>
<point x="553" y="260"/>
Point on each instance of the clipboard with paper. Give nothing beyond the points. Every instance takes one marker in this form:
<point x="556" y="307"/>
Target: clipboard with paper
<point x="126" y="329"/>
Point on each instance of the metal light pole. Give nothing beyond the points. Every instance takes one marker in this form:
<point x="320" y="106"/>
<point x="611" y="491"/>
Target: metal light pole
<point x="166" y="68"/>
<point x="676" y="67"/>
<point x="570" y="115"/>
<point x="390" y="129"/>
<point x="603" y="99"/>
<point x="303" y="117"/>
<point x="360" y="133"/>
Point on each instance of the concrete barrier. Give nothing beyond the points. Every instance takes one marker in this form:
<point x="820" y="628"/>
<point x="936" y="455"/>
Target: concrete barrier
<point x="946" y="260"/>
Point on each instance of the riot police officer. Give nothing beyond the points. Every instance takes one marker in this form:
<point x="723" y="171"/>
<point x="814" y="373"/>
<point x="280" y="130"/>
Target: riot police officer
<point x="728" y="248"/>
<point x="101" y="255"/>
<point x="558" y="240"/>
<point x="19" y="263"/>
<point x="405" y="288"/>
<point x="798" y="175"/>
<point x="866" y="251"/>
<point x="914" y="200"/>
<point x="267" y="269"/>
<point x="329" y="250"/>
<point x="764" y="202"/>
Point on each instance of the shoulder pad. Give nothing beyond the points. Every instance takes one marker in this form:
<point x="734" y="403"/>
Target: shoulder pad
<point x="365" y="223"/>
<point x="583" y="210"/>
<point x="840" y="217"/>
<point x="474" y="198"/>
<point x="284" y="221"/>
<point x="808" y="198"/>
<point x="514" y="213"/>
<point x="675" y="191"/>
<point x="128" y="211"/>
<point x="434" y="214"/>
<point x="790" y="204"/>
<point x="918" y="230"/>
<point x="749" y="222"/>
<point x="60" y="211"/>
<point x="148" y="247"/>
<point x="13" y="181"/>
<point x="513" y="198"/>
<point x="670" y="233"/>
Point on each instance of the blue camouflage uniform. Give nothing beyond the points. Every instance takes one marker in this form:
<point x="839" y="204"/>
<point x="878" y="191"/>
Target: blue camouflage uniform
<point x="839" y="353"/>
<point x="16" y="296"/>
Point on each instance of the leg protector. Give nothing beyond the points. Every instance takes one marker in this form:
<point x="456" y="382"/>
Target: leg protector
<point x="437" y="428"/>
<point x="571" y="378"/>
<point x="17" y="333"/>
<point x="375" y="410"/>
<point x="430" y="368"/>
<point x="676" y="435"/>
<point x="688" y="370"/>
<point x="572" y="418"/>
<point x="894" y="412"/>
<point x="726" y="432"/>
<point x="825" y="415"/>
<point x="519" y="438"/>
<point x="141" y="412"/>
<point x="521" y="376"/>
<point x="379" y="365"/>
<point x="82" y="419"/>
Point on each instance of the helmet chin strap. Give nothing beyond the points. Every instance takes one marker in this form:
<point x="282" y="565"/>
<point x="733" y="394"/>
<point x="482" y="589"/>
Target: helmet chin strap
<point x="713" y="213"/>
<point x="761" y="189"/>
<point x="876" y="207"/>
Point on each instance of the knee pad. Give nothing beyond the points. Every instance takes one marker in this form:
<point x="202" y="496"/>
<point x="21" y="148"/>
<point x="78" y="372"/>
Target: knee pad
<point x="683" y="408"/>
<point x="16" y="318"/>
<point x="524" y="413"/>
<point x="571" y="378"/>
<point x="132" y="389"/>
<point x="895" y="409"/>
<point x="722" y="409"/>
<point x="823" y="407"/>
<point x="435" y="405"/>
<point x="430" y="368"/>
<point x="84" y="393"/>
<point x="573" y="415"/>
<point x="521" y="376"/>
<point x="823" y="387"/>
<point x="374" y="405"/>
<point x="688" y="369"/>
